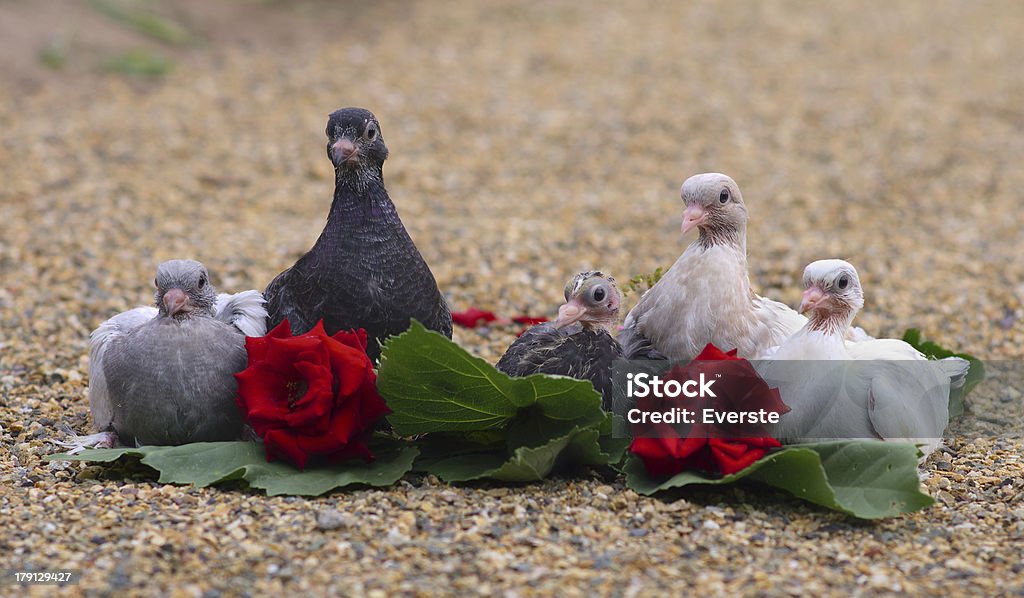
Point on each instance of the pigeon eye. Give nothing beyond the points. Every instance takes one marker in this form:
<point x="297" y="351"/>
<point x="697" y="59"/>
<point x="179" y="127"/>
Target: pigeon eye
<point x="371" y="132"/>
<point x="843" y="282"/>
<point x="724" y="196"/>
<point x="599" y="294"/>
<point x="202" y="281"/>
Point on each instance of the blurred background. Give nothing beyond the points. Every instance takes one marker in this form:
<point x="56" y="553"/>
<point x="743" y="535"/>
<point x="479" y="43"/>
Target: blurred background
<point x="528" y="141"/>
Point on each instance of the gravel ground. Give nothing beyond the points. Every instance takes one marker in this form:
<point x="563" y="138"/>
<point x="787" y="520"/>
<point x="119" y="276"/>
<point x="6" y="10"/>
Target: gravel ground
<point x="527" y="142"/>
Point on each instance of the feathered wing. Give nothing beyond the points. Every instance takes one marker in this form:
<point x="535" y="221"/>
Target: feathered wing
<point x="245" y="311"/>
<point x="573" y="352"/>
<point x="782" y="321"/>
<point x="107" y="335"/>
<point x="281" y="303"/>
<point x="906" y="405"/>
<point x="856" y="334"/>
<point x="908" y="394"/>
<point x="523" y="356"/>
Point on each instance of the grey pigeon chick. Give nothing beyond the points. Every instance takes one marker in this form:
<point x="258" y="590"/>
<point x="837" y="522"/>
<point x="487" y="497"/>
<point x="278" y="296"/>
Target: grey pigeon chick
<point x="364" y="271"/>
<point x="578" y="343"/>
<point x="165" y="375"/>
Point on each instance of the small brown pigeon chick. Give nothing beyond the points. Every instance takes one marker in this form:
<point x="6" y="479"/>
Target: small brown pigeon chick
<point x="578" y="343"/>
<point x="705" y="297"/>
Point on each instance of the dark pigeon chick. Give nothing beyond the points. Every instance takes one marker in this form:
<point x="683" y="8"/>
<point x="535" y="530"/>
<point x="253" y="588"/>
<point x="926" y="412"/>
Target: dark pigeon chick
<point x="364" y="271"/>
<point x="165" y="375"/>
<point x="578" y="343"/>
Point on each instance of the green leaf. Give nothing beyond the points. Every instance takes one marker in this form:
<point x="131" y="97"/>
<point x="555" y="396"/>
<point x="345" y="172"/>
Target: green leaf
<point x="932" y="350"/>
<point x="525" y="464"/>
<point x="641" y="283"/>
<point x="206" y="463"/>
<point x="867" y="479"/>
<point x="433" y="385"/>
<point x="484" y="423"/>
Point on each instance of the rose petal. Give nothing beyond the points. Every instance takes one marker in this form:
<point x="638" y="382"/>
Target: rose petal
<point x="733" y="456"/>
<point x="473" y="317"/>
<point x="284" y="444"/>
<point x="339" y="404"/>
<point x="357" y="339"/>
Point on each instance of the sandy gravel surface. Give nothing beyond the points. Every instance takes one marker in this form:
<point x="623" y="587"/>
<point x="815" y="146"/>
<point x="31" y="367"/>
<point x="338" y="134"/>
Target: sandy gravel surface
<point x="527" y="142"/>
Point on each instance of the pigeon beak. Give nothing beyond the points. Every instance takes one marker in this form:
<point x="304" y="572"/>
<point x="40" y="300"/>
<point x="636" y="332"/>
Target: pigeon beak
<point x="812" y="298"/>
<point x="693" y="216"/>
<point x="344" y="152"/>
<point x="177" y="301"/>
<point x="570" y="313"/>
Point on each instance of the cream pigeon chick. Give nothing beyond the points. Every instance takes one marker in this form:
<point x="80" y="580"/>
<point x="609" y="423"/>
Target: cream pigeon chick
<point x="705" y="297"/>
<point x="876" y="388"/>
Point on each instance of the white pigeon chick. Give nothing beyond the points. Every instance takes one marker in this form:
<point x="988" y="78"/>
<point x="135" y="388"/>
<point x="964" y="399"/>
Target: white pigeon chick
<point x="705" y="297"/>
<point x="875" y="388"/>
<point x="163" y="374"/>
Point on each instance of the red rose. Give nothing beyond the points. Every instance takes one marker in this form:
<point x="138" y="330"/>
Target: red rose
<point x="310" y="395"/>
<point x="664" y="457"/>
<point x="719" y="448"/>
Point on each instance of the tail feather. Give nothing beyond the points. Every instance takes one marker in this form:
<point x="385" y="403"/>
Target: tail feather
<point x="245" y="311"/>
<point x="956" y="368"/>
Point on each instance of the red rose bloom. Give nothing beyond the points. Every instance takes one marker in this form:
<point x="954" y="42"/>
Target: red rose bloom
<point x="664" y="457"/>
<point x="310" y="395"/>
<point x="719" y="448"/>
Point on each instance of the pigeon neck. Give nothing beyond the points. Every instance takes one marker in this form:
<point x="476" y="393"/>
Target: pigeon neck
<point x="732" y="237"/>
<point x="362" y="216"/>
<point x="185" y="315"/>
<point x="355" y="191"/>
<point x="831" y="322"/>
<point x="599" y="325"/>
<point x="357" y="180"/>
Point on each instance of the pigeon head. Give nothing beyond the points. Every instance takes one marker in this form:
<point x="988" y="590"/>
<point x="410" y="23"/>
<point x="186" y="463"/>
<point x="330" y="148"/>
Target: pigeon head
<point x="715" y="207"/>
<point x="833" y="296"/>
<point x="354" y="144"/>
<point x="592" y="299"/>
<point x="183" y="289"/>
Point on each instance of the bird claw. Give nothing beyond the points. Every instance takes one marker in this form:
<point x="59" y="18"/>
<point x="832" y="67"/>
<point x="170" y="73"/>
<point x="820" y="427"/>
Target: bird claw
<point x="77" y="444"/>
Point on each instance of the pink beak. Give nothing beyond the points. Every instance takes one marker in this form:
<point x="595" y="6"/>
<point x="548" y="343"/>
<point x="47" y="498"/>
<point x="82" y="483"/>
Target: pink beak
<point x="344" y="151"/>
<point x="693" y="216"/>
<point x="812" y="298"/>
<point x="176" y="301"/>
<point x="570" y="313"/>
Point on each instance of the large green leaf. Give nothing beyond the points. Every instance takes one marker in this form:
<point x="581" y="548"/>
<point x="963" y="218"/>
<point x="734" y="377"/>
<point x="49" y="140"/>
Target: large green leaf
<point x="206" y="463"/>
<point x="433" y="385"/>
<point x="483" y="423"/>
<point x="933" y="350"/>
<point x="580" y="446"/>
<point x="864" y="478"/>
